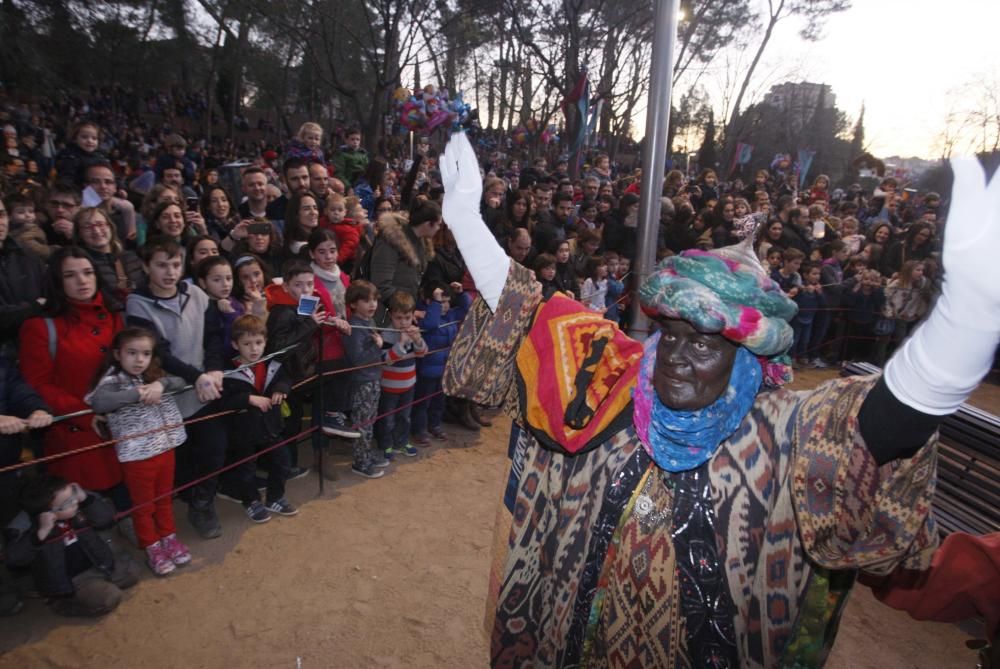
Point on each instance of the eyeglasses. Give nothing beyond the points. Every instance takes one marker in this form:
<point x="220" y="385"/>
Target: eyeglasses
<point x="71" y="502"/>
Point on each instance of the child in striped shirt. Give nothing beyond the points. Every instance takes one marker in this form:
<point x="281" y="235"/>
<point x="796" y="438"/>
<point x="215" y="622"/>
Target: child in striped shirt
<point x="399" y="378"/>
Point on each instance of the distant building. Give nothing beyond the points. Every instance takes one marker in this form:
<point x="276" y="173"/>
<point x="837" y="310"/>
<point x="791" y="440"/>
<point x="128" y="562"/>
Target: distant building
<point x="799" y="101"/>
<point x="908" y="168"/>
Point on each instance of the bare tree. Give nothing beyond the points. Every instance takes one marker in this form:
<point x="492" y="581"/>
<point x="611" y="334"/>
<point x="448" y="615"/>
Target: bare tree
<point x="813" y="12"/>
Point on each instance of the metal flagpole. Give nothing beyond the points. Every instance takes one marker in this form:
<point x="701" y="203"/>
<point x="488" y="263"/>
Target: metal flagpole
<point x="654" y="157"/>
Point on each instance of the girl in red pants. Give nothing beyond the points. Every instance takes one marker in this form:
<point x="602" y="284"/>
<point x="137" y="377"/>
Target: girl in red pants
<point x="147" y="425"/>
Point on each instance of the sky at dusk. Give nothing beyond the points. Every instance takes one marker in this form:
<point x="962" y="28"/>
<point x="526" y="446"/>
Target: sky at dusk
<point x="909" y="61"/>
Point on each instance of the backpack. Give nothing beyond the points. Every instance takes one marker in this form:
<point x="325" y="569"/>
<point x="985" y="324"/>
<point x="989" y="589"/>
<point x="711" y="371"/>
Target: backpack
<point x="363" y="269"/>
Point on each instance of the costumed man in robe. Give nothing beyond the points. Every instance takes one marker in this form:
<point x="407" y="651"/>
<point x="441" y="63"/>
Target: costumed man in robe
<point x="669" y="505"/>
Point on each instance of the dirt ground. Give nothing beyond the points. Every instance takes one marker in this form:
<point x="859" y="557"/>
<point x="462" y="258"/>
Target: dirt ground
<point x="388" y="574"/>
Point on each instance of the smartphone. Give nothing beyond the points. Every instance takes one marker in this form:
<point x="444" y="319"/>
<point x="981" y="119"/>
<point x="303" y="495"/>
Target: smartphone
<point x="259" y="229"/>
<point x="307" y="305"/>
<point x="192" y="204"/>
<point x="91" y="198"/>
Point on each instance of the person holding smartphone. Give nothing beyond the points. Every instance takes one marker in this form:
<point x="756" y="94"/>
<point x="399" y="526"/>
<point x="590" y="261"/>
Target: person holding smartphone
<point x="296" y="310"/>
<point x="257" y="236"/>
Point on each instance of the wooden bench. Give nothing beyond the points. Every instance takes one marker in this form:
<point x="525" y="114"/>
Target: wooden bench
<point x="968" y="489"/>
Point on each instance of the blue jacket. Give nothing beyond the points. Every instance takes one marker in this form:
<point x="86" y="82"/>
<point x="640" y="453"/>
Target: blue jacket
<point x="809" y="304"/>
<point x="438" y="332"/>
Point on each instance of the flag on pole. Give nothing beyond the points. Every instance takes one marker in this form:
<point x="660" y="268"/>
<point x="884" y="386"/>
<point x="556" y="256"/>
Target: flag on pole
<point x="804" y="163"/>
<point x="580" y="95"/>
<point x="595" y="115"/>
<point x="741" y="156"/>
<point x="743" y="153"/>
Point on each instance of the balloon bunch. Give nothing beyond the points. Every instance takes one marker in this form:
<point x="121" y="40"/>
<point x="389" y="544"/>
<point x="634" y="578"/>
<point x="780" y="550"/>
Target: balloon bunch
<point x="429" y="108"/>
<point x="550" y="135"/>
<point x="527" y="132"/>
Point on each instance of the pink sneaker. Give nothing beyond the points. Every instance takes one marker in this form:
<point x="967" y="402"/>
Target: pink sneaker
<point x="158" y="560"/>
<point x="175" y="550"/>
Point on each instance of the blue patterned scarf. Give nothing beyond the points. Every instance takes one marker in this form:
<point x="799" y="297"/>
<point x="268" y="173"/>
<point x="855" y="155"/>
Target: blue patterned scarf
<point x="679" y="440"/>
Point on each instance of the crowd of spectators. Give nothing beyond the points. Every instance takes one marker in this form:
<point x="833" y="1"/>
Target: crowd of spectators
<point x="148" y="279"/>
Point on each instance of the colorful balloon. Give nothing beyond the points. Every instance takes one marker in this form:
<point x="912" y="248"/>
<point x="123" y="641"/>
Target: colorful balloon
<point x="411" y="116"/>
<point x="436" y="119"/>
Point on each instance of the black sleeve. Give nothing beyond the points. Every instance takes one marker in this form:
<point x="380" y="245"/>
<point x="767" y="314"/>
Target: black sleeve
<point x="285" y="328"/>
<point x="171" y="364"/>
<point x="12" y="316"/>
<point x="22" y="400"/>
<point x="891" y="429"/>
<point x="282" y="382"/>
<point x="212" y="338"/>
<point x="98" y="511"/>
<point x="406" y="196"/>
<point x="235" y="394"/>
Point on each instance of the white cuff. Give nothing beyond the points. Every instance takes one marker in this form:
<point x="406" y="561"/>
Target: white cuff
<point x="939" y="366"/>
<point x="486" y="260"/>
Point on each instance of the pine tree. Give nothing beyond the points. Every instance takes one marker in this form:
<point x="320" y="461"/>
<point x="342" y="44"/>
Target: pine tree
<point x="858" y="141"/>
<point x="857" y="147"/>
<point x="707" y="156"/>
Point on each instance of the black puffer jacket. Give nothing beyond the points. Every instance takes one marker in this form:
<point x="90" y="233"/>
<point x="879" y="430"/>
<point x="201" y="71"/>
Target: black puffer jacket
<point x="21" y="280"/>
<point x="47" y="559"/>
<point x="131" y="267"/>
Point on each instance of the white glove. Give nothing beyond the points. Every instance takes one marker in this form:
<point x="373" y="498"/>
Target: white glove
<point x="463" y="188"/>
<point x="938" y="367"/>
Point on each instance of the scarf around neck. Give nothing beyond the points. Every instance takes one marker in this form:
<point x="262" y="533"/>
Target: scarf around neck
<point x="679" y="440"/>
<point x="326" y="275"/>
<point x="334" y="286"/>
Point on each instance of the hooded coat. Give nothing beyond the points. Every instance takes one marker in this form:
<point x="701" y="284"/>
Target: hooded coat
<point x="399" y="260"/>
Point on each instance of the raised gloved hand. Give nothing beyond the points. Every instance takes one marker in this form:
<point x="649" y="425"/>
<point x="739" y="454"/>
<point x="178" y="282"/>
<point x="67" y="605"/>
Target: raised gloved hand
<point x="463" y="188"/>
<point x="949" y="354"/>
<point x="971" y="241"/>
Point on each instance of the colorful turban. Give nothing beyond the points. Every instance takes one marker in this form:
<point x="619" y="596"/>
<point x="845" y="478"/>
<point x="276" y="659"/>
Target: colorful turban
<point x="725" y="291"/>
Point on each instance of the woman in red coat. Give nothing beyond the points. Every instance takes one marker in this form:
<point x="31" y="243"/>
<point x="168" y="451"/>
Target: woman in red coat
<point x="84" y="326"/>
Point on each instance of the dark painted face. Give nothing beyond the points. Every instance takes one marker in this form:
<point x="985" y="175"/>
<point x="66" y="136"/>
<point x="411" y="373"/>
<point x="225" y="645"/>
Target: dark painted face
<point x="692" y="368"/>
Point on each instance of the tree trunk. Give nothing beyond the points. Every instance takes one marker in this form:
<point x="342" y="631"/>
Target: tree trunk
<point x="731" y="137"/>
<point x="491" y="102"/>
<point x="525" y="96"/>
<point x="607" y="81"/>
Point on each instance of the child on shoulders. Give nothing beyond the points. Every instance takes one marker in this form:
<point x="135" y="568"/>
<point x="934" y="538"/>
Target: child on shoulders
<point x="307" y="144"/>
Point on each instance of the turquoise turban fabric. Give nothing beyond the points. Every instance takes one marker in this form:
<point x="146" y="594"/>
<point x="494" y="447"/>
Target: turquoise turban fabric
<point x="723" y="291"/>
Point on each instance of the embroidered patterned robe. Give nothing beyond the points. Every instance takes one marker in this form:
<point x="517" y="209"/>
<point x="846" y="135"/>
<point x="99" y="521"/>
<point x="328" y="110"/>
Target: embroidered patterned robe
<point x="590" y="577"/>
